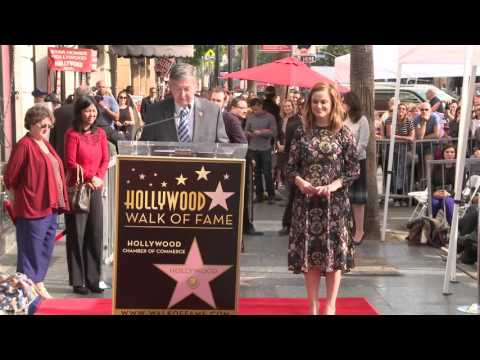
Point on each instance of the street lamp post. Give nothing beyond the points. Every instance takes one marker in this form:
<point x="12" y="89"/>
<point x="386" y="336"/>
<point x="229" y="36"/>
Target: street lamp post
<point x="217" y="65"/>
<point x="231" y="49"/>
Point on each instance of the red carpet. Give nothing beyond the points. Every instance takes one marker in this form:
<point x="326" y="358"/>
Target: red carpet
<point x="247" y="306"/>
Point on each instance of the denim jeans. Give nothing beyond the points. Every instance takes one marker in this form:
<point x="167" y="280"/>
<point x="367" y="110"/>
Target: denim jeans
<point x="263" y="166"/>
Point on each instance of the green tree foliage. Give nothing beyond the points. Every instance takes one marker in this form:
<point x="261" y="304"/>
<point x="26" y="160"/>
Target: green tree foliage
<point x="200" y="50"/>
<point x="335" y="50"/>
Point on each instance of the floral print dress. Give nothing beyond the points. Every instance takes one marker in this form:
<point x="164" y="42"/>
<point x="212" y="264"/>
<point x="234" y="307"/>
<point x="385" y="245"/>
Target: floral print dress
<point x="320" y="234"/>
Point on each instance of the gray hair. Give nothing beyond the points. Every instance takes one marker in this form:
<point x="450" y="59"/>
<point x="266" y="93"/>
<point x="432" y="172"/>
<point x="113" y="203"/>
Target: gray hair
<point x="180" y="71"/>
<point x="82" y="90"/>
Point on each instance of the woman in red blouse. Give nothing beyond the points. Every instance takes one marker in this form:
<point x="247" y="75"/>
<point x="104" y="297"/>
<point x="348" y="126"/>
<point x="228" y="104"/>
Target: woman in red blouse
<point x="86" y="145"/>
<point x="35" y="176"/>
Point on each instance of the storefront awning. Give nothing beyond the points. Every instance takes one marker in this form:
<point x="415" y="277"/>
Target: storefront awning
<point x="153" y="50"/>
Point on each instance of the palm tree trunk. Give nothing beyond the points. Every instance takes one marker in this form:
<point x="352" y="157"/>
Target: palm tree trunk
<point x="362" y="83"/>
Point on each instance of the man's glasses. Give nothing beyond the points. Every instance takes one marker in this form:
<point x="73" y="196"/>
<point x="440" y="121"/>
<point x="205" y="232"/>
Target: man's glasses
<point x="424" y="109"/>
<point x="45" y="126"/>
<point x="122" y="97"/>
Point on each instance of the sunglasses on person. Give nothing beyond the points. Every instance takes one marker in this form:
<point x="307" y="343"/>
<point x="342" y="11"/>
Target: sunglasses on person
<point x="45" y="126"/>
<point x="424" y="109"/>
<point x="122" y="97"/>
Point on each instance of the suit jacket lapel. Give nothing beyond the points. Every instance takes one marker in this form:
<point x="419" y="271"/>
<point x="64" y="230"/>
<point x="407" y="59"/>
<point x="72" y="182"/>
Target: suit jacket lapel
<point x="198" y="115"/>
<point x="170" y="126"/>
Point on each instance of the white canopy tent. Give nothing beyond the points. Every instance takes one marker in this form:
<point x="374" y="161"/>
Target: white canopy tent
<point x="445" y="55"/>
<point x="385" y="63"/>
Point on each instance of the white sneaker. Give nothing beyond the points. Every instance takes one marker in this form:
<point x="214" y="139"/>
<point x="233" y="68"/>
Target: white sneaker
<point x="103" y="285"/>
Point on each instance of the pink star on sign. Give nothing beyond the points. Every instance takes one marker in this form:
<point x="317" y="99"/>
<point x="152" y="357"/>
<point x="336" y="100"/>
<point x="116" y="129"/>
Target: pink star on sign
<point x="193" y="277"/>
<point x="218" y="197"/>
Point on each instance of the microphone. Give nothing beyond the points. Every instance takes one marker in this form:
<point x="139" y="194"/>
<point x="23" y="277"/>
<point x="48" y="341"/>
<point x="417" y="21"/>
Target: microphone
<point x="155" y="123"/>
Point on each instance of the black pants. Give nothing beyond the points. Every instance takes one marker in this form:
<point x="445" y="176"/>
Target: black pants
<point x="287" y="214"/>
<point x="85" y="243"/>
<point x="263" y="166"/>
<point x="248" y="195"/>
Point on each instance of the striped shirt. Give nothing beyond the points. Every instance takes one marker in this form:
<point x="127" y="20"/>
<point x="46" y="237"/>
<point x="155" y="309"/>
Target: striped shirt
<point x="404" y="128"/>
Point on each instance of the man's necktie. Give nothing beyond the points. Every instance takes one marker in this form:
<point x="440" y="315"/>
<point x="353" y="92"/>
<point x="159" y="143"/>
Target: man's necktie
<point x="183" y="134"/>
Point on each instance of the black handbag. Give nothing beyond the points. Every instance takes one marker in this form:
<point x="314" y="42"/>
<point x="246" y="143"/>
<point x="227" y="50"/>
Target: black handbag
<point x="79" y="194"/>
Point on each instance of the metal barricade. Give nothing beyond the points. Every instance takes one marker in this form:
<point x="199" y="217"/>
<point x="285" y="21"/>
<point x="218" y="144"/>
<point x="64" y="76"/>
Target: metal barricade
<point x="108" y="197"/>
<point x="472" y="168"/>
<point x="409" y="168"/>
<point x="402" y="167"/>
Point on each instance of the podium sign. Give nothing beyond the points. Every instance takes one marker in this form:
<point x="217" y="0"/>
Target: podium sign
<point x="179" y="227"/>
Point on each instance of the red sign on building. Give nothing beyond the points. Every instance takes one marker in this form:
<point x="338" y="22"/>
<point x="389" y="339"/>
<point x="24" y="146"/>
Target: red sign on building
<point x="275" y="48"/>
<point x="65" y="59"/>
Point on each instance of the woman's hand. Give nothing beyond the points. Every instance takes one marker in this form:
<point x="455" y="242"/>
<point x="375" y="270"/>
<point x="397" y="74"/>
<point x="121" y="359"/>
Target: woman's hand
<point x="323" y="191"/>
<point x="281" y="148"/>
<point x="305" y="187"/>
<point x="326" y="190"/>
<point x="97" y="182"/>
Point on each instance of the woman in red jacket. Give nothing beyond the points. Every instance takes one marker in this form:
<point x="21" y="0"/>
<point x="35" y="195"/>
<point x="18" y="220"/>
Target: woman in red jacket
<point x="35" y="176"/>
<point x="86" y="145"/>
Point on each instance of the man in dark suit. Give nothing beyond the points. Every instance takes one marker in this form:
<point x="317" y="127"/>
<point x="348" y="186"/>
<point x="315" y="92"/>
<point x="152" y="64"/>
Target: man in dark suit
<point x="293" y="124"/>
<point x="233" y="121"/>
<point x="186" y="118"/>
<point x="148" y="101"/>
<point x="63" y="121"/>
<point x="233" y="126"/>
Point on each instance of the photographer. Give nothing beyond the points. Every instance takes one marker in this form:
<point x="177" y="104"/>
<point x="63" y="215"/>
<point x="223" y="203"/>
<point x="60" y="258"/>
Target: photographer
<point x="109" y="113"/>
<point x="108" y="105"/>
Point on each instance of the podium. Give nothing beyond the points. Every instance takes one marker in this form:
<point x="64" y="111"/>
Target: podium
<point x="178" y="219"/>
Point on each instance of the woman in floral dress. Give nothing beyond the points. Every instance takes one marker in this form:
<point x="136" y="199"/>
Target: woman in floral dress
<point x="322" y="164"/>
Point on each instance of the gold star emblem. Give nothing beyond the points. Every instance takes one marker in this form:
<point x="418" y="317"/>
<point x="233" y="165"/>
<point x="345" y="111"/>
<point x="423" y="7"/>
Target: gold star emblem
<point x="202" y="173"/>
<point x="164" y="184"/>
<point x="181" y="180"/>
<point x="193" y="282"/>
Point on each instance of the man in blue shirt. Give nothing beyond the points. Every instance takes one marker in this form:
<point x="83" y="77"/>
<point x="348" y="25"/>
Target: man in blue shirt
<point x="108" y="105"/>
<point x="109" y="113"/>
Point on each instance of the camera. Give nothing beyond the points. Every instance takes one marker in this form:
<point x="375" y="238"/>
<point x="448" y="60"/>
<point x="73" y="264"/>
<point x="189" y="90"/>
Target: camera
<point x="98" y="98"/>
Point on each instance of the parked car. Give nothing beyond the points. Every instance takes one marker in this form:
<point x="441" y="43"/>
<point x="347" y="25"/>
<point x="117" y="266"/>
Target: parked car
<point x="476" y="97"/>
<point x="408" y="93"/>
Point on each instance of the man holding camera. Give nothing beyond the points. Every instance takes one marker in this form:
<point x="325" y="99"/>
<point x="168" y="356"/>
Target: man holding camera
<point x="109" y="113"/>
<point x="109" y="110"/>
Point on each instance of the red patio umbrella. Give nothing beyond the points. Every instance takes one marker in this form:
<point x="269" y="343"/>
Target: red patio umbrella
<point x="288" y="71"/>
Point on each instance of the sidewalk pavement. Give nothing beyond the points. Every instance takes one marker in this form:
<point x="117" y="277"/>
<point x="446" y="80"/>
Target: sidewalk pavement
<point x="394" y="277"/>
